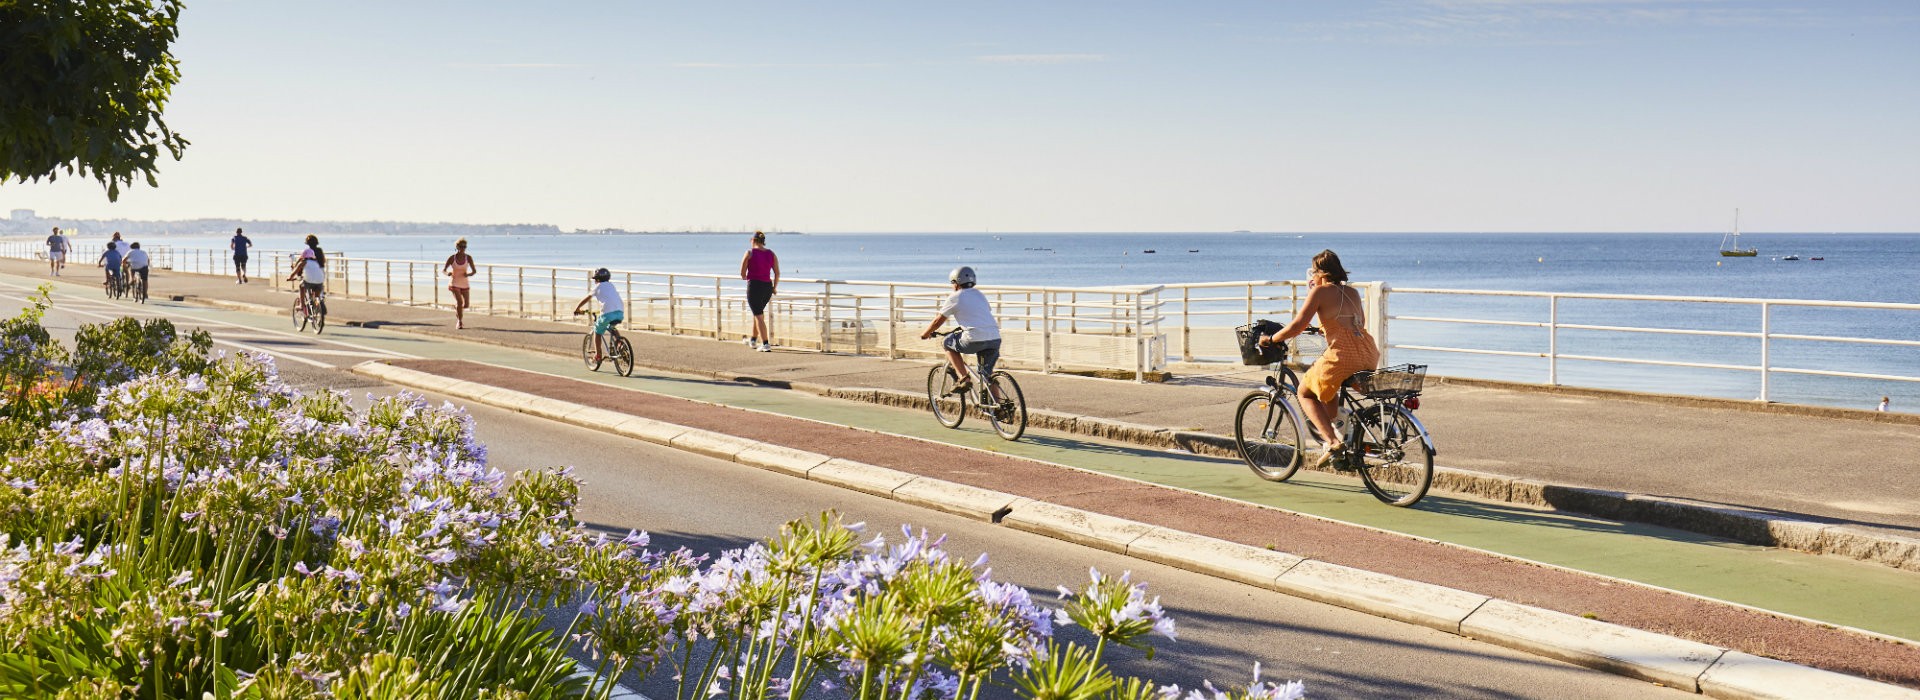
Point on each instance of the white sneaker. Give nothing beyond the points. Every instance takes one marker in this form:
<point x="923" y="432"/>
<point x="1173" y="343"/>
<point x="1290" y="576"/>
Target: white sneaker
<point x="766" y="348"/>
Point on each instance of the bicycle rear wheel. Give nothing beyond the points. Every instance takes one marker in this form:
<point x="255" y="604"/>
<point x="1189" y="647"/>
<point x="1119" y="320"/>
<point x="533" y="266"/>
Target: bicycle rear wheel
<point x="949" y="407"/>
<point x="1009" y="418"/>
<point x="622" y="356"/>
<point x="1398" y="469"/>
<point x="1268" y="436"/>
<point x="319" y="315"/>
<point x="586" y="352"/>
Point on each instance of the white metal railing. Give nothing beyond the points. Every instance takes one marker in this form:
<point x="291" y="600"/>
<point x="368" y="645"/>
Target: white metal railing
<point x="1553" y="324"/>
<point x="1047" y="328"/>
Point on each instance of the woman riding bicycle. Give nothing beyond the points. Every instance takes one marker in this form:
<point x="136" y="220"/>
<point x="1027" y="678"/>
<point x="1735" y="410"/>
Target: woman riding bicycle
<point x="310" y="268"/>
<point x="1350" y="348"/>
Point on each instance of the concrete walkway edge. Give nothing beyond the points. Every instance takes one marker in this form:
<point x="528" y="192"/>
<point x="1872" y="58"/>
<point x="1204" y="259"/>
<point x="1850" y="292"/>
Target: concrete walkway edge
<point x="1671" y="661"/>
<point x="1746" y="525"/>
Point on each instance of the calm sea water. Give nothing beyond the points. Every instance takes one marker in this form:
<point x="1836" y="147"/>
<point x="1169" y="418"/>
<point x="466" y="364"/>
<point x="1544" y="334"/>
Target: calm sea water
<point x="1856" y="267"/>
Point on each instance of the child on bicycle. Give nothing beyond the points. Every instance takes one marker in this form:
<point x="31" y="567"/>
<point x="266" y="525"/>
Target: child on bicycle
<point x="612" y="309"/>
<point x="311" y="269"/>
<point x="979" y="332"/>
<point x="111" y="259"/>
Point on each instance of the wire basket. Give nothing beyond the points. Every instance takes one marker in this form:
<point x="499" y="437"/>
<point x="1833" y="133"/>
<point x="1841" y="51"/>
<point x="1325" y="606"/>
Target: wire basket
<point x="1396" y="382"/>
<point x="1251" y="351"/>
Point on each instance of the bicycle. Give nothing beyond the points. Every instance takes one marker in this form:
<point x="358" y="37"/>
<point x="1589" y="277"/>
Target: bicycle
<point x="116" y="286"/>
<point x="1386" y="444"/>
<point x="139" y="284"/>
<point x="1008" y="414"/>
<point x="310" y="308"/>
<point x="617" y="348"/>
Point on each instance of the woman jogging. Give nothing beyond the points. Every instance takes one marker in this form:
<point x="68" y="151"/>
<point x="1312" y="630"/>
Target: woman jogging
<point x="761" y="269"/>
<point x="460" y="266"/>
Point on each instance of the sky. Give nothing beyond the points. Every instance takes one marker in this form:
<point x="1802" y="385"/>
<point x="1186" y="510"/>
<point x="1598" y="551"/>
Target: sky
<point x="1106" y="115"/>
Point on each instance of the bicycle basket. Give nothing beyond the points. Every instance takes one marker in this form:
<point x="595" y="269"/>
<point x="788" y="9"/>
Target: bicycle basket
<point x="1396" y="382"/>
<point x="1251" y="352"/>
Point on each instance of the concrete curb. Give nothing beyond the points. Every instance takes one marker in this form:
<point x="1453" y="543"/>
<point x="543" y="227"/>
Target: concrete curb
<point x="1693" y="666"/>
<point x="1747" y="525"/>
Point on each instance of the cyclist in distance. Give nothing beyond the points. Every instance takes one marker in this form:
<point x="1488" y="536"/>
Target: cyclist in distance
<point x="311" y="269"/>
<point x="979" y="335"/>
<point x="111" y="259"/>
<point x="138" y="264"/>
<point x="612" y="309"/>
<point x="1350" y="348"/>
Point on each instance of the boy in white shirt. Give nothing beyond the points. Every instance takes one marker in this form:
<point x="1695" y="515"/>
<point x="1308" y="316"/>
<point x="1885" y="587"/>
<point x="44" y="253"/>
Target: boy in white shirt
<point x="138" y="264"/>
<point x="612" y="309"/>
<point x="980" y="333"/>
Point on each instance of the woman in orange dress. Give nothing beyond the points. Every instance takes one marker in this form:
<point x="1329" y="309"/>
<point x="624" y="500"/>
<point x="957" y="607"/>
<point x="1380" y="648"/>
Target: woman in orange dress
<point x="1350" y="348"/>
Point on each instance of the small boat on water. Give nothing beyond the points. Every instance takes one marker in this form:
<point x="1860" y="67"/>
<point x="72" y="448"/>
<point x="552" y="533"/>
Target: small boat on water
<point x="1193" y="250"/>
<point x="1791" y="257"/>
<point x="1149" y="250"/>
<point x="1816" y="257"/>
<point x="1730" y="243"/>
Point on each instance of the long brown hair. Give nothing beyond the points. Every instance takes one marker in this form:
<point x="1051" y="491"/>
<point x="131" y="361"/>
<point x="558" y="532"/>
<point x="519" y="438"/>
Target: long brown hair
<point x="1328" y="263"/>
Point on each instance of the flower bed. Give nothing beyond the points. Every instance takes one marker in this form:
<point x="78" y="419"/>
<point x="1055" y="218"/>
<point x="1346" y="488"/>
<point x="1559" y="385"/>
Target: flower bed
<point x="178" y="525"/>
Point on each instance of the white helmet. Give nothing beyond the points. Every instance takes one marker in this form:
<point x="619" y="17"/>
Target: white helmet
<point x="961" y="275"/>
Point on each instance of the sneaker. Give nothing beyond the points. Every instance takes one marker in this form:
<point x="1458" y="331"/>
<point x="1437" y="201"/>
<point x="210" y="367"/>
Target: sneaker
<point x="752" y="343"/>
<point x="961" y="389"/>
<point x="766" y="348"/>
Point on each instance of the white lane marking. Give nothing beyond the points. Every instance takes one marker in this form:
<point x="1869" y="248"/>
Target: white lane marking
<point x="202" y="320"/>
<point x="217" y="341"/>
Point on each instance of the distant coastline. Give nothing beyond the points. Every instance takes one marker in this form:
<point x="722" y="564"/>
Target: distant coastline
<point x="26" y="222"/>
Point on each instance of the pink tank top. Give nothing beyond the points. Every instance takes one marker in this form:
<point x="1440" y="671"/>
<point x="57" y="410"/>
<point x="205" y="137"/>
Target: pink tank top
<point x="760" y="265"/>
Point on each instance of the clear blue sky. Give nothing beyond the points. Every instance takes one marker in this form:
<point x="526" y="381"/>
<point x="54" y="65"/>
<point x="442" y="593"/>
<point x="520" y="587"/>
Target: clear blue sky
<point x="1409" y="115"/>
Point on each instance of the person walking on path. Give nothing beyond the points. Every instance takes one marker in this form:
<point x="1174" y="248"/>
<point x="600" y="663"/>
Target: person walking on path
<point x="459" y="267"/>
<point x="239" y="246"/>
<point x="1350" y="348"/>
<point x="760" y="267"/>
<point x="57" y="248"/>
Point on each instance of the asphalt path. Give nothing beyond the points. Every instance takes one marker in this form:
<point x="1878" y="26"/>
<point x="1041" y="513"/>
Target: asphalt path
<point x="710" y="505"/>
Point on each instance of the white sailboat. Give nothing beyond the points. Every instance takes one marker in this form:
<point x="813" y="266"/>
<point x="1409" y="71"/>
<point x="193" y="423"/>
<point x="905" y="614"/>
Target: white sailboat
<point x="1730" y="243"/>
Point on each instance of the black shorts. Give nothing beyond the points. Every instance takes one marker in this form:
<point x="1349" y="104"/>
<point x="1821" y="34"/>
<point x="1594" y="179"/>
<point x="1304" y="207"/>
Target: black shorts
<point x="314" y="287"/>
<point x="759" y="292"/>
<point x="240" y="260"/>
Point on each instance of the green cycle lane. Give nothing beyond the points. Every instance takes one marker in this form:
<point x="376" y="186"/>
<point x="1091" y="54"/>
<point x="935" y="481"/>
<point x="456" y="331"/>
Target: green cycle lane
<point x="1829" y="589"/>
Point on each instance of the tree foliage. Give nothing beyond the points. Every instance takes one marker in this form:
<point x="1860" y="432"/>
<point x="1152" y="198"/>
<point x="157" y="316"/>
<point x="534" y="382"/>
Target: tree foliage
<point x="82" y="87"/>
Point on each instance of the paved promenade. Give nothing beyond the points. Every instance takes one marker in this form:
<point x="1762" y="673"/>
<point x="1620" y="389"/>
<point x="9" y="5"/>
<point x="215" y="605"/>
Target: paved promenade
<point x="1845" y="467"/>
<point x="1822" y="588"/>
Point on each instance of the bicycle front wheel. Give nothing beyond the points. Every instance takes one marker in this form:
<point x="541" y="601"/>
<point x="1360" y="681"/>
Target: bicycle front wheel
<point x="1268" y="436"/>
<point x="622" y="356"/>
<point x="1398" y="467"/>
<point x="299" y="314"/>
<point x="1009" y="416"/>
<point x="586" y="353"/>
<point x="949" y="407"/>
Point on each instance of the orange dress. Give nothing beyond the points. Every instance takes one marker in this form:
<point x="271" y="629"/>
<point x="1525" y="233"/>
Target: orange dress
<point x="1350" y="348"/>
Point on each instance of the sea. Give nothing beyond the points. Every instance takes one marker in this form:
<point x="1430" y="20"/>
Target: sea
<point x="1830" y="266"/>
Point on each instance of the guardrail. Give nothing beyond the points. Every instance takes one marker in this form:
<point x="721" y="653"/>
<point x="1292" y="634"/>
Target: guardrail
<point x="1657" y="307"/>
<point x="1053" y="328"/>
<point x="1046" y="328"/>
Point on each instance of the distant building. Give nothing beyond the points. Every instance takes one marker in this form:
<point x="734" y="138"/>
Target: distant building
<point x="23" y="215"/>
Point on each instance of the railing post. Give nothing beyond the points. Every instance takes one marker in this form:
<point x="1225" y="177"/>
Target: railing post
<point x="859" y="327"/>
<point x="719" y="314"/>
<point x="1046" y="332"/>
<point x="673" y="307"/>
<point x="276" y="272"/>
<point x="1139" y="341"/>
<point x="410" y="284"/>
<point x="893" y="322"/>
<point x="1553" y="340"/>
<point x="386" y="288"/>
<point x="1250" y="301"/>
<point x="826" y="318"/>
<point x="1186" y="324"/>
<point x="1766" y="343"/>
<point x="520" y="290"/>
<point x="553" y="293"/>
<point x="628" y="321"/>
<point x="1377" y="318"/>
<point x="490" y="311"/>
<point x="436" y="284"/>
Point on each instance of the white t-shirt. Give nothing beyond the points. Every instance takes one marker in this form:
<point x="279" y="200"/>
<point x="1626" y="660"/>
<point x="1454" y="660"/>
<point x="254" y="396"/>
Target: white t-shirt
<point x="608" y="297"/>
<point x="124" y="246"/>
<point x="311" y="270"/>
<point x="136" y="259"/>
<point x="969" y="308"/>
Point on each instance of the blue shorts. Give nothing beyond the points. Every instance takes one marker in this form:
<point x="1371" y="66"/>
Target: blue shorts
<point x="988" y="350"/>
<point x="607" y="320"/>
